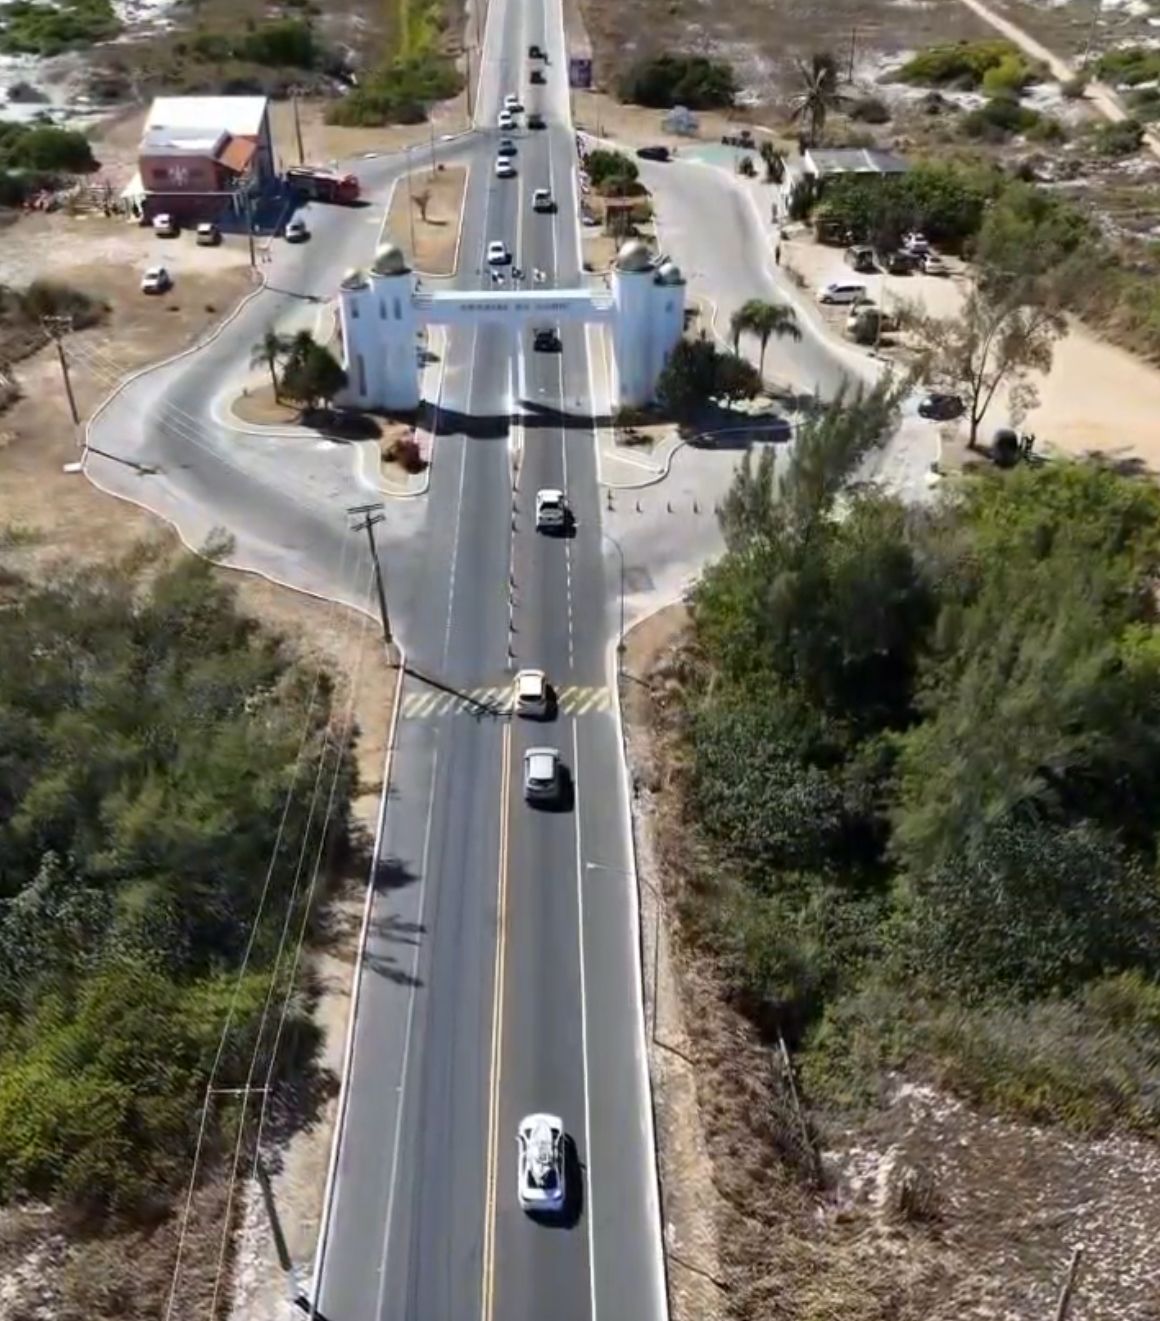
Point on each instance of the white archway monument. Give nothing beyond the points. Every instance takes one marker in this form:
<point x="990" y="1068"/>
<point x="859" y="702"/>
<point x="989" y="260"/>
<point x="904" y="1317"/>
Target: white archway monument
<point x="381" y="310"/>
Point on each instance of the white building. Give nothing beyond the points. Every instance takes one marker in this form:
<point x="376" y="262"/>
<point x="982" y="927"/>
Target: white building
<point x="381" y="312"/>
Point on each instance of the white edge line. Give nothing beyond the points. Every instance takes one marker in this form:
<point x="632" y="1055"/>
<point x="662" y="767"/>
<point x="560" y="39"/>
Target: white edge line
<point x="355" y="996"/>
<point x="662" y="1301"/>
<point x="589" y="1215"/>
<point x="402" y="1097"/>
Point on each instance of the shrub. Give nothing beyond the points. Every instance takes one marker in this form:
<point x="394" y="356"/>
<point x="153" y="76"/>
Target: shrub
<point x="289" y="42"/>
<point x="663" y="81"/>
<point x="1075" y="88"/>
<point x="999" y="119"/>
<point x="405" y="451"/>
<point x="965" y="64"/>
<point x="1129" y="66"/>
<point x="870" y="110"/>
<point x="1007" y="78"/>
<point x="38" y="29"/>
<point x="1119" y="139"/>
<point x="611" y="172"/>
<point x="45" y="148"/>
<point x="1145" y="103"/>
<point x="397" y="93"/>
<point x="943" y="200"/>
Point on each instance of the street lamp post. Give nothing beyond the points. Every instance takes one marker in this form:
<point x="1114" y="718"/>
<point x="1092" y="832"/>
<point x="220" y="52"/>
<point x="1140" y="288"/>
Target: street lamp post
<point x="410" y="203"/>
<point x="620" y="635"/>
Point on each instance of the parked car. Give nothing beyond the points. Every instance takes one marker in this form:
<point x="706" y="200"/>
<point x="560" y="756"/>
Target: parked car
<point x="653" y="153"/>
<point x="866" y="322"/>
<point x="296" y="231"/>
<point x="940" y="407"/>
<point x="899" y="262"/>
<point x="916" y="243"/>
<point x="208" y="235"/>
<point x="861" y="258"/>
<point x="933" y="264"/>
<point x="156" y="280"/>
<point x="164" y="225"/>
<point x="842" y="291"/>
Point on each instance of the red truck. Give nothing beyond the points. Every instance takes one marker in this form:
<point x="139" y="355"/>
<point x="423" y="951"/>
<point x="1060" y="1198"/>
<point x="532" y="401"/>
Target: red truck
<point x="321" y="185"/>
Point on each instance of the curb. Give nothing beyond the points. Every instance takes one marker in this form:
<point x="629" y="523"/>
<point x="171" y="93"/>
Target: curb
<point x="638" y="953"/>
<point x="355" y="996"/>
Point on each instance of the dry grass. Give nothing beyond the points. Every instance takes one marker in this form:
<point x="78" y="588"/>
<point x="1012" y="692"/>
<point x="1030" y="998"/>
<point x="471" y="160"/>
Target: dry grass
<point x="431" y="244"/>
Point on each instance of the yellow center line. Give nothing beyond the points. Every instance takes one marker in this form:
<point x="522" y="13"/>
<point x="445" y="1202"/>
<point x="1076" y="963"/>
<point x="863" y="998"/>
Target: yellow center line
<point x="488" y="1282"/>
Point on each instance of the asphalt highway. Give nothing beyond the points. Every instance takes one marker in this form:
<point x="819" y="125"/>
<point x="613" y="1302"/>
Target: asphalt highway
<point x="501" y="971"/>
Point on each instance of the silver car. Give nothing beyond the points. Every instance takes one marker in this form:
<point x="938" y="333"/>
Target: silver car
<point x="540" y="1163"/>
<point x="542" y="775"/>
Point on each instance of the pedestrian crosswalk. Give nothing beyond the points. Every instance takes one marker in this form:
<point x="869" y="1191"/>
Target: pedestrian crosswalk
<point x="427" y="703"/>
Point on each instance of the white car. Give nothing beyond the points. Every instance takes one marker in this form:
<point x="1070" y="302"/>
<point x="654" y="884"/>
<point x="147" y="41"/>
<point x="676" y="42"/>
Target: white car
<point x="542" y="775"/>
<point x="504" y="169"/>
<point x="156" y="280"/>
<point x="540" y="1163"/>
<point x="916" y="243"/>
<point x="497" y="253"/>
<point x="842" y="291"/>
<point x="532" y="694"/>
<point x="164" y="225"/>
<point x="506" y="119"/>
<point x="296" y="231"/>
<point x="551" y="510"/>
<point x="512" y="104"/>
<point x="933" y="264"/>
<point x="542" y="200"/>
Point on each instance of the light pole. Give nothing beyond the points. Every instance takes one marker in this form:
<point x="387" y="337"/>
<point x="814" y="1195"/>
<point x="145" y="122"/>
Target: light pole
<point x="410" y="204"/>
<point x="620" y="636"/>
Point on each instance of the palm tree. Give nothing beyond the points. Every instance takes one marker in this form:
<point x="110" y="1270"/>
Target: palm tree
<point x="267" y="352"/>
<point x="766" y="321"/>
<point x="818" y="96"/>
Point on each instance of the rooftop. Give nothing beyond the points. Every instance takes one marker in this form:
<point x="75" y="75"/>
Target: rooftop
<point x="183" y="141"/>
<point x="853" y="160"/>
<point x="239" y="115"/>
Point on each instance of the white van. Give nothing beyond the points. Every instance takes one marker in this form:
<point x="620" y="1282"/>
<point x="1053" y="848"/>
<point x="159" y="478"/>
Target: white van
<point x="842" y="291"/>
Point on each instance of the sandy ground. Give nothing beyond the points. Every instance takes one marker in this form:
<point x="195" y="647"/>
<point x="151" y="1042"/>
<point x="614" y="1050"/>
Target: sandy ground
<point x="431" y="244"/>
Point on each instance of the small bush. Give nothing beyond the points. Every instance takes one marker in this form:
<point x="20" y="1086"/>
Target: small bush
<point x="38" y="29"/>
<point x="870" y="110"/>
<point x="612" y="173"/>
<point x="999" y="119"/>
<point x="1119" y="139"/>
<point x="1145" y="103"/>
<point x="397" y="93"/>
<point x="966" y="64"/>
<point x="1129" y="66"/>
<point x="406" y="453"/>
<point x="46" y="148"/>
<point x="664" y="81"/>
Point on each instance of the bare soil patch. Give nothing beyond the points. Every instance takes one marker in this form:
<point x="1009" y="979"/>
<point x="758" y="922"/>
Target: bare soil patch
<point x="431" y="242"/>
<point x="323" y="142"/>
<point x="257" y="405"/>
<point x="925" y="1210"/>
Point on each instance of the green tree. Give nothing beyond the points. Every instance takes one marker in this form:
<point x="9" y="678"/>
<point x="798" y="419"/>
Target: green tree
<point x="765" y="321"/>
<point x="689" y="376"/>
<point x="312" y="375"/>
<point x="818" y="94"/>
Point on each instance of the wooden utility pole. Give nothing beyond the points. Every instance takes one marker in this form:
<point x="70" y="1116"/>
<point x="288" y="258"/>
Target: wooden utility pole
<point x="56" y="326"/>
<point x="1065" y="1294"/>
<point x="371" y="515"/>
<point x="297" y="125"/>
<point x="853" y="47"/>
<point x="249" y="205"/>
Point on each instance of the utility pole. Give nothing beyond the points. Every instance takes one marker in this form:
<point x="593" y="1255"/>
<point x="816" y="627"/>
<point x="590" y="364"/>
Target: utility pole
<point x="853" y="44"/>
<point x="1087" y="46"/>
<point x="467" y="85"/>
<point x="431" y="123"/>
<point x="56" y="326"/>
<point x="249" y="205"/>
<point x="1063" y="1306"/>
<point x="371" y="515"/>
<point x="410" y="204"/>
<point x="297" y="125"/>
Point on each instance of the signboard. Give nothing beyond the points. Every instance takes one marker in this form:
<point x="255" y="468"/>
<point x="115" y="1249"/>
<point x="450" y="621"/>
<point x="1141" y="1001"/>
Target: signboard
<point x="580" y="71"/>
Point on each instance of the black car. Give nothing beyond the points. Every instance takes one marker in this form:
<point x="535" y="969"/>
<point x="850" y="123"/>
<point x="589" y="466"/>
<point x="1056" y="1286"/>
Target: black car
<point x="546" y="341"/>
<point x="941" y="407"/>
<point x="535" y="53"/>
<point x="653" y="153"/>
<point x="535" y="120"/>
<point x="536" y="76"/>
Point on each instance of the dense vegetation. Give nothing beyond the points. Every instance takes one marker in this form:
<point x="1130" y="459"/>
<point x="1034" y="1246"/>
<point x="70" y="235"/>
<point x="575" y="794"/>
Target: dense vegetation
<point x="612" y="173"/>
<point x="944" y="200"/>
<point x="994" y="66"/>
<point x="663" y="81"/>
<point x="29" y="28"/>
<point x="23" y="312"/>
<point x="1002" y="117"/>
<point x="44" y="148"/>
<point x="158" y="802"/>
<point x="278" y="43"/>
<point x="923" y="751"/>
<point x="1129" y="66"/>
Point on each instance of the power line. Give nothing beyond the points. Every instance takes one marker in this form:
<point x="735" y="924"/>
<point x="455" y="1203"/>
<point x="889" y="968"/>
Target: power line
<point x="372" y="515"/>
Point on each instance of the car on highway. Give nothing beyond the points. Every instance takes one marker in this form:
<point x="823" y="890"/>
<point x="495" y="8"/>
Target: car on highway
<point x="156" y="280"/>
<point x="296" y="231"/>
<point x="545" y="340"/>
<point x="497" y="253"/>
<point x="657" y="153"/>
<point x="207" y="235"/>
<point x="940" y="407"/>
<point x="164" y="225"/>
<point x="537" y="76"/>
<point x="506" y="119"/>
<point x="540" y="1163"/>
<point x="536" y="120"/>
<point x="533" y="694"/>
<point x="504" y="168"/>
<point x="506" y="147"/>
<point x="536" y="52"/>
<point x="542" y="775"/>
<point x="551" y="510"/>
<point x="543" y="201"/>
<point x="512" y="104"/>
